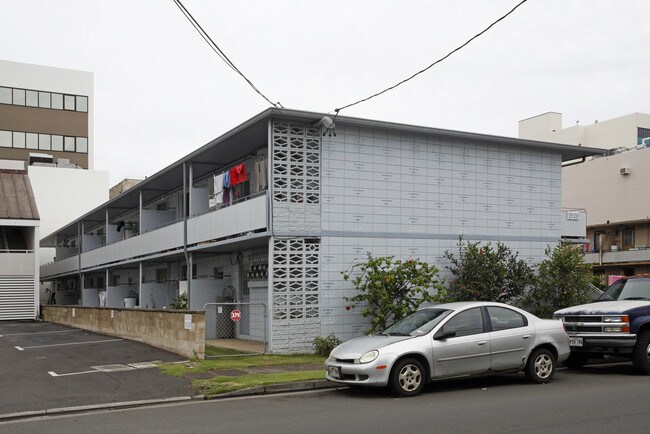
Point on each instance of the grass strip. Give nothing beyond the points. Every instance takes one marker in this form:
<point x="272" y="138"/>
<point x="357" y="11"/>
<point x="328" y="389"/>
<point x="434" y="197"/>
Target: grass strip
<point x="179" y="369"/>
<point x="218" y="385"/>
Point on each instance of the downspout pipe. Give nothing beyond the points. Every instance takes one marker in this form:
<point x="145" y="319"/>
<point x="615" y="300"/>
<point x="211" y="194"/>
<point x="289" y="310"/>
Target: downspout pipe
<point x="187" y="256"/>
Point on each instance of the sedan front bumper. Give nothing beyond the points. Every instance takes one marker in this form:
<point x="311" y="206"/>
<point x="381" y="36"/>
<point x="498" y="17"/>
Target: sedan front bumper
<point x="375" y="373"/>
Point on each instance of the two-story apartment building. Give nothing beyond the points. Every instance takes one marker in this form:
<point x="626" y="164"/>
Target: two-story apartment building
<point x="276" y="208"/>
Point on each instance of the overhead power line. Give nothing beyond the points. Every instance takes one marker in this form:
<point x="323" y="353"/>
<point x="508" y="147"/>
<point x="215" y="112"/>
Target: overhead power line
<point x="220" y="52"/>
<point x="336" y="111"/>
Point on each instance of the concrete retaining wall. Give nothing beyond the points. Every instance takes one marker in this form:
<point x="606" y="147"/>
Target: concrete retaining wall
<point x="159" y="328"/>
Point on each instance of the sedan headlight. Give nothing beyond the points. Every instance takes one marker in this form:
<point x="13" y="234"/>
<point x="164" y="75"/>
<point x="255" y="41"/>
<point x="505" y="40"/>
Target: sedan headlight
<point x="369" y="356"/>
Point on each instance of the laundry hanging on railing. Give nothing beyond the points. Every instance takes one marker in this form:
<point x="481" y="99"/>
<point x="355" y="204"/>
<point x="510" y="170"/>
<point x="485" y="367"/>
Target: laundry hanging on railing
<point x="238" y="174"/>
<point x="218" y="188"/>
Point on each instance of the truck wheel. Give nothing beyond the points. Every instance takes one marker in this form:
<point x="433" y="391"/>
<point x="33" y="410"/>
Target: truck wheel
<point x="576" y="360"/>
<point x="407" y="378"/>
<point x="541" y="366"/>
<point x="641" y="355"/>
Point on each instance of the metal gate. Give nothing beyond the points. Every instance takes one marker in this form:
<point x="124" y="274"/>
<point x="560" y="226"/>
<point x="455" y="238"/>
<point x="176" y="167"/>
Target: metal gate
<point x="235" y="329"/>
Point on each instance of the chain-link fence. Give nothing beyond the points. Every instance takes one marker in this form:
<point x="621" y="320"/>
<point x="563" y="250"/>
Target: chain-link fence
<point x="235" y="329"/>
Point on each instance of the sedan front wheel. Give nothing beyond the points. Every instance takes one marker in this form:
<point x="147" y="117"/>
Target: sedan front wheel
<point x="541" y="366"/>
<point x="407" y="377"/>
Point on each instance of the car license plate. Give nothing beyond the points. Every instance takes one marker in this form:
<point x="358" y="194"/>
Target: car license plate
<point x="575" y="342"/>
<point x="334" y="372"/>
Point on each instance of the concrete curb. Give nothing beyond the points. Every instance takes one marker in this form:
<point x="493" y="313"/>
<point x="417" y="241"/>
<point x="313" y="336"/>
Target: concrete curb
<point x="95" y="407"/>
<point x="297" y="386"/>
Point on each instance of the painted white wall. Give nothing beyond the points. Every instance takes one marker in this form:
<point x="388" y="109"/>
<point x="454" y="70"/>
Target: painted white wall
<point x="598" y="186"/>
<point x="51" y="79"/>
<point x="62" y="195"/>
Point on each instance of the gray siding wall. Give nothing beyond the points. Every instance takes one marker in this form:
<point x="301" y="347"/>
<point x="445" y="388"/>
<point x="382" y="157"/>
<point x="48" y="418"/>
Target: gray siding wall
<point x="413" y="196"/>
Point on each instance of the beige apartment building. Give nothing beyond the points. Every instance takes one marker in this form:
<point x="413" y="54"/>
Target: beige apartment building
<point x="612" y="188"/>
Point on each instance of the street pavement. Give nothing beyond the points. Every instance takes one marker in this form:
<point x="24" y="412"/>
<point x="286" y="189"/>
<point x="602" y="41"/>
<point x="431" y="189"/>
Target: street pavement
<point x="47" y="366"/>
<point x="605" y="398"/>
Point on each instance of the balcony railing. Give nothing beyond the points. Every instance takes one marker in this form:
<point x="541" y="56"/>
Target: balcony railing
<point x="239" y="218"/>
<point x="625" y="256"/>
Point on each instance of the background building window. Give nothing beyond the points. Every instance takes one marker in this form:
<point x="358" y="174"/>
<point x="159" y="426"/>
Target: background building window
<point x="5" y="95"/>
<point x="57" y="101"/>
<point x="628" y="238"/>
<point x="68" y="102"/>
<point x="44" y="99"/>
<point x="5" y="139"/>
<point x="57" y="143"/>
<point x="82" y="144"/>
<point x="19" y="140"/>
<point x="19" y="97"/>
<point x="82" y="103"/>
<point x="31" y="98"/>
<point x="31" y="140"/>
<point x="69" y="144"/>
<point x="44" y="142"/>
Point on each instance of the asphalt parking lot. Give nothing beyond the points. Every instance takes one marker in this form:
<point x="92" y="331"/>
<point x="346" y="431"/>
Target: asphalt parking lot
<point x="46" y="366"/>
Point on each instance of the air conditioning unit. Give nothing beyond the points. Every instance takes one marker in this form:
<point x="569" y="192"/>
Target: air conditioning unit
<point x="646" y="142"/>
<point x="625" y="170"/>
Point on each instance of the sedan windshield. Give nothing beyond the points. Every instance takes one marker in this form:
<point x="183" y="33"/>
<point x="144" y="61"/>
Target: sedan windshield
<point x="418" y="323"/>
<point x="628" y="289"/>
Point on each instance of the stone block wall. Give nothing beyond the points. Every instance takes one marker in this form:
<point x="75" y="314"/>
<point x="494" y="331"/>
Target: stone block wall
<point x="159" y="328"/>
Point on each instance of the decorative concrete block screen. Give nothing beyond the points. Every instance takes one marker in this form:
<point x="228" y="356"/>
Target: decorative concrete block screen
<point x="295" y="294"/>
<point x="296" y="176"/>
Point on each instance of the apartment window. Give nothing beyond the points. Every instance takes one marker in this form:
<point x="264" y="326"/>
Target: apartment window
<point x="597" y="235"/>
<point x="57" y="101"/>
<point x="31" y="140"/>
<point x="57" y="143"/>
<point x="5" y="139"/>
<point x="628" y="238"/>
<point x="19" y="140"/>
<point x="5" y="95"/>
<point x="82" y="103"/>
<point x="82" y="144"/>
<point x="44" y="99"/>
<point x="19" y="97"/>
<point x="68" y="102"/>
<point x="68" y="144"/>
<point x="31" y="98"/>
<point x="44" y="142"/>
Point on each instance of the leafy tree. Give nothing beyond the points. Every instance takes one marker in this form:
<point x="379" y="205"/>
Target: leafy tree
<point x="390" y="289"/>
<point x="563" y="280"/>
<point x="487" y="273"/>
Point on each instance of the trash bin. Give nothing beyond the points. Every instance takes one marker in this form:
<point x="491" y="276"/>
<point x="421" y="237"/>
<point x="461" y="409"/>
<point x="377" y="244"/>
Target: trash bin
<point x="129" y="302"/>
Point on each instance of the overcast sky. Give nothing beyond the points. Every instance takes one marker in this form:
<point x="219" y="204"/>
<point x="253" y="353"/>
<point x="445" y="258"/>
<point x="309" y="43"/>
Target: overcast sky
<point x="160" y="92"/>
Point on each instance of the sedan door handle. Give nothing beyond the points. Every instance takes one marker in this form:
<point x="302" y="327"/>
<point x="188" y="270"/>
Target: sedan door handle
<point x="525" y="337"/>
<point x="482" y="343"/>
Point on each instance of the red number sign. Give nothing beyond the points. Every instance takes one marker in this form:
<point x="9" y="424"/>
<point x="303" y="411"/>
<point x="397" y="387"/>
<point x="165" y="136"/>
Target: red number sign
<point x="235" y="315"/>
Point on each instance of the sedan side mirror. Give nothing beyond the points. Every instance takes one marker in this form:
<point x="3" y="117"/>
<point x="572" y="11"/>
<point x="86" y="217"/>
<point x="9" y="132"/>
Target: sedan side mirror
<point x="444" y="334"/>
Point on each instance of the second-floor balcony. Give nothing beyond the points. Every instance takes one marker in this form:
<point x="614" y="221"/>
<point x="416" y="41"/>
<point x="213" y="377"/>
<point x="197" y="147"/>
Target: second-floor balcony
<point x="240" y="218"/>
<point x="633" y="255"/>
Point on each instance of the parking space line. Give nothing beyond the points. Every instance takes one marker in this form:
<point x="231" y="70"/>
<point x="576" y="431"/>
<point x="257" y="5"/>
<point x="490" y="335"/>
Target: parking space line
<point x="54" y="374"/>
<point x="111" y="368"/>
<point x="40" y="333"/>
<point x="69" y="343"/>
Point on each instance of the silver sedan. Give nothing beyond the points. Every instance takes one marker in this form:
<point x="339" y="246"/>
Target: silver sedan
<point x="449" y="341"/>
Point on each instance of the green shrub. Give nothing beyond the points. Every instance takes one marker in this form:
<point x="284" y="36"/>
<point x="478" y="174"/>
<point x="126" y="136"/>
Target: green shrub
<point x="323" y="346"/>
